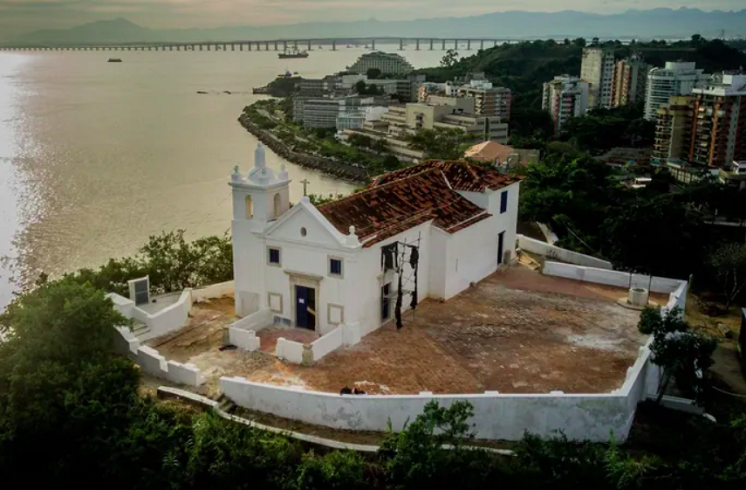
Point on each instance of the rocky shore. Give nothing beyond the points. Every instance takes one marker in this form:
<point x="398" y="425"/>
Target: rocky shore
<point x="332" y="167"/>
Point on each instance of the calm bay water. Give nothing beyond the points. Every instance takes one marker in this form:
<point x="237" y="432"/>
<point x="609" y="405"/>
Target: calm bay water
<point x="97" y="156"/>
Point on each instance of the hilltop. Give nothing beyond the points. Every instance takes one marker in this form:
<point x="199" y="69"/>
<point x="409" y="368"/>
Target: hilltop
<point x="655" y="23"/>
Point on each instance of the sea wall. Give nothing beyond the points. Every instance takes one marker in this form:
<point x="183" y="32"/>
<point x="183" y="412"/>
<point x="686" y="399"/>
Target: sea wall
<point x="326" y="165"/>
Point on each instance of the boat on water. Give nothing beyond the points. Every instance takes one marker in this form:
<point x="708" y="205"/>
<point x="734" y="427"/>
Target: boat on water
<point x="293" y="54"/>
<point x="115" y="60"/>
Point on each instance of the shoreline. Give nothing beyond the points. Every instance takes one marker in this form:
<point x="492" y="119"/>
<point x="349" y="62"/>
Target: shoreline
<point x="331" y="167"/>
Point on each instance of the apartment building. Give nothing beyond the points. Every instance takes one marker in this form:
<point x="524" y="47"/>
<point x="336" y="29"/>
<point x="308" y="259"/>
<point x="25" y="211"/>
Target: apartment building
<point x="488" y="100"/>
<point x="630" y="81"/>
<point x="597" y="70"/>
<point x="565" y="97"/>
<point x="389" y="63"/>
<point x="719" y="121"/>
<point x="676" y="78"/>
<point x="322" y="112"/>
<point x="673" y="130"/>
<point x="439" y="112"/>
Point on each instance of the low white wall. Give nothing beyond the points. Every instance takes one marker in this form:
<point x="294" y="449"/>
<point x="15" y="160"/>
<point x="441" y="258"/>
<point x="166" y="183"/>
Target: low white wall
<point x="326" y="344"/>
<point x="289" y="350"/>
<point x="185" y="374"/>
<point x="611" y="278"/>
<point x="506" y="417"/>
<point x="125" y="342"/>
<point x="244" y="339"/>
<point x="551" y="251"/>
<point x="167" y="320"/>
<point x="256" y="321"/>
<point x="213" y="291"/>
<point x="496" y="416"/>
<point x="152" y="362"/>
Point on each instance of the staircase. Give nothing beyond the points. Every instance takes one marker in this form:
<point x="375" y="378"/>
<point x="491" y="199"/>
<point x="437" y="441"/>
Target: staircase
<point x="139" y="329"/>
<point x="225" y="404"/>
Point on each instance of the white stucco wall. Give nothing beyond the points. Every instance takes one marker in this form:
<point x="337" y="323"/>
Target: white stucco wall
<point x="472" y="256"/>
<point x="289" y="350"/>
<point x="256" y="321"/>
<point x="152" y="362"/>
<point x="496" y="416"/>
<point x="244" y="339"/>
<point x="166" y="320"/>
<point x="326" y="344"/>
<point x="611" y="278"/>
<point x="551" y="251"/>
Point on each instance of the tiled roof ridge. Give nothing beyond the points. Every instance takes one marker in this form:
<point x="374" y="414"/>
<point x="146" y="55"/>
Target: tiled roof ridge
<point x="378" y="187"/>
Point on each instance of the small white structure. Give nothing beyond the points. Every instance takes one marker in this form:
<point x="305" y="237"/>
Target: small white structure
<point x="434" y="228"/>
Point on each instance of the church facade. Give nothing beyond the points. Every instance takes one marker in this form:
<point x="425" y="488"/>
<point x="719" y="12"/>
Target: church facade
<point x="426" y="231"/>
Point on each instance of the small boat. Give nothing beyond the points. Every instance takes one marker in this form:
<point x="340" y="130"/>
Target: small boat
<point x="115" y="60"/>
<point x="293" y="54"/>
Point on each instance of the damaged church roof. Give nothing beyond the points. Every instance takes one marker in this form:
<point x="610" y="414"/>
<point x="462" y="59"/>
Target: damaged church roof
<point x="403" y="199"/>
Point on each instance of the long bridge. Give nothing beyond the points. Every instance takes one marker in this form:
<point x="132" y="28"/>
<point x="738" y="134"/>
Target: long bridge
<point x="431" y="43"/>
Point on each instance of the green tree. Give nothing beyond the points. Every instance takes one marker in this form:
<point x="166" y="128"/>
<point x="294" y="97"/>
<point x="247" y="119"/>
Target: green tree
<point x="373" y="73"/>
<point x="728" y="265"/>
<point x="684" y="355"/>
<point x="444" y="144"/>
<point x="450" y="58"/>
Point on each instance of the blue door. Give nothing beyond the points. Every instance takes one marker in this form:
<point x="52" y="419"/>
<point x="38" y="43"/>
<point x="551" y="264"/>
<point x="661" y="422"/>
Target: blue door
<point x="305" y="307"/>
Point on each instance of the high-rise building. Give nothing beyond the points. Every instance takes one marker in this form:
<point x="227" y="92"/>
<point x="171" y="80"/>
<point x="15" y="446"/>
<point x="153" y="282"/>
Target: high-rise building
<point x="564" y="97"/>
<point x="677" y="78"/>
<point x="488" y="100"/>
<point x="673" y="130"/>
<point x="719" y="121"/>
<point x="388" y="63"/>
<point x="630" y="80"/>
<point x="597" y="70"/>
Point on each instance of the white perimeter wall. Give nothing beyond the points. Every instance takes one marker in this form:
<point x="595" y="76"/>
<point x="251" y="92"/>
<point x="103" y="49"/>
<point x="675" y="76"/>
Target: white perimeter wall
<point x="213" y="291"/>
<point x="550" y="251"/>
<point x="611" y="278"/>
<point x="151" y="362"/>
<point x="496" y="416"/>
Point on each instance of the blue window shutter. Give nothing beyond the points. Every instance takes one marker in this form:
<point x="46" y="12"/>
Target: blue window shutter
<point x="274" y="256"/>
<point x="503" y="202"/>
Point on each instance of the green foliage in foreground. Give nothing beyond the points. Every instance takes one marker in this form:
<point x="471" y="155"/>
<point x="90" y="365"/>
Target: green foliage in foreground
<point x="70" y="413"/>
<point x="684" y="355"/>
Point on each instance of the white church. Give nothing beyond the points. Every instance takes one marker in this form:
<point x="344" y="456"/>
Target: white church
<point x="426" y="231"/>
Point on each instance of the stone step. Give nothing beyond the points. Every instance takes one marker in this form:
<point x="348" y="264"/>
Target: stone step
<point x="140" y="329"/>
<point x="225" y="404"/>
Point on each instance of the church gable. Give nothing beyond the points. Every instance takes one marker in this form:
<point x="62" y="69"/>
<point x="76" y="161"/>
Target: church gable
<point x="300" y="225"/>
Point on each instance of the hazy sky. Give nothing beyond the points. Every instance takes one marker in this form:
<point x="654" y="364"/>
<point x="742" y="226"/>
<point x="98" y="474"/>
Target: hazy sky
<point x="24" y="15"/>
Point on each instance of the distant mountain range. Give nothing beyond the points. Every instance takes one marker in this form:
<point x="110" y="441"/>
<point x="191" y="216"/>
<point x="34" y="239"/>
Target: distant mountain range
<point x="643" y="24"/>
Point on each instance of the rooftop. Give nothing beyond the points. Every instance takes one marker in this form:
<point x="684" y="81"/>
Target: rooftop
<point x="382" y="211"/>
<point x="460" y="176"/>
<point x="489" y="151"/>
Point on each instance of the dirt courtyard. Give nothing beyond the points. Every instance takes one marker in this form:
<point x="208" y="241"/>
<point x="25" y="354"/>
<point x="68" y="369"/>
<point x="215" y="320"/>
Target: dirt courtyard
<point x="515" y="332"/>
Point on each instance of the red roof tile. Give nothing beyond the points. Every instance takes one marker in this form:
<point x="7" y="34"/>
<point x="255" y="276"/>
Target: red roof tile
<point x="461" y="176"/>
<point x="385" y="210"/>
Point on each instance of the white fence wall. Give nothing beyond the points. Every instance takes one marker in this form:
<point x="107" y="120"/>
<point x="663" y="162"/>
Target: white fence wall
<point x="152" y="362"/>
<point x="611" y="278"/>
<point x="551" y="251"/>
<point x="244" y="339"/>
<point x="496" y="416"/>
<point x="256" y="321"/>
<point x="213" y="291"/>
<point x="289" y="350"/>
<point x="168" y="319"/>
<point x="328" y="343"/>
